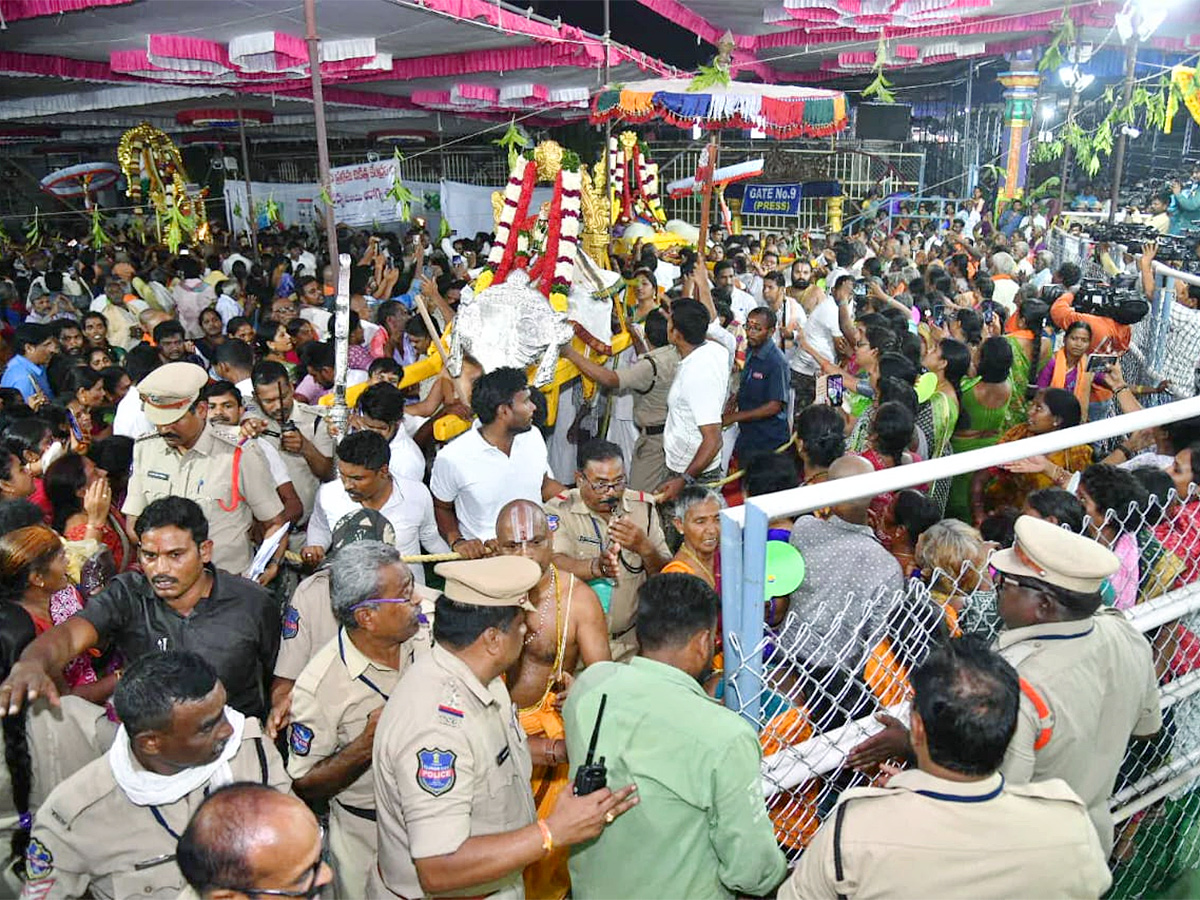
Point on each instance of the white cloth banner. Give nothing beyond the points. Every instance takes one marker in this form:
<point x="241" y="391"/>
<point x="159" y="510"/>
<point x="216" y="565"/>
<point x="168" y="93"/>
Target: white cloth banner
<point x="468" y="207"/>
<point x="360" y="199"/>
<point x="294" y="201"/>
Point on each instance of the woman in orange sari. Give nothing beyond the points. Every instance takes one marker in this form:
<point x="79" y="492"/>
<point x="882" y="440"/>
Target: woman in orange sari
<point x="1067" y="369"/>
<point x="1050" y="410"/>
<point x="697" y="516"/>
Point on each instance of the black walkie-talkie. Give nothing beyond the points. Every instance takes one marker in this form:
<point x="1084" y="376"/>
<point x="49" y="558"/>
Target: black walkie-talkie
<point x="592" y="776"/>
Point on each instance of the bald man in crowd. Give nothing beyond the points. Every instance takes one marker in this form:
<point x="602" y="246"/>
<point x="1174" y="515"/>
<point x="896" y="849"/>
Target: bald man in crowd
<point x="246" y="840"/>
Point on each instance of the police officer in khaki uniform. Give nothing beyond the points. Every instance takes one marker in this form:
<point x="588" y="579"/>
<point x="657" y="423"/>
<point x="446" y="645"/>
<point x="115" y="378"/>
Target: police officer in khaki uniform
<point x="649" y="379"/>
<point x="296" y="430"/>
<point x="111" y="829"/>
<point x="232" y="484"/>
<point x="338" y="698"/>
<point x="605" y="533"/>
<point x="451" y="760"/>
<point x="954" y="826"/>
<point x="1087" y="677"/>
<point x="308" y="621"/>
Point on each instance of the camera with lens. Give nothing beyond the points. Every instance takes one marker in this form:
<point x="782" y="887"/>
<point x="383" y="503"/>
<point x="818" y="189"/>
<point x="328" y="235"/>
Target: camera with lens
<point x="1051" y="292"/>
<point x="1120" y="300"/>
<point x="1134" y="237"/>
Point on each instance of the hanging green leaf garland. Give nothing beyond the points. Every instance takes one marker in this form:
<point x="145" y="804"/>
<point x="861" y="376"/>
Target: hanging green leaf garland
<point x="100" y="238"/>
<point x="709" y="77"/>
<point x="33" y="231"/>
<point x="880" y="88"/>
<point x="399" y="192"/>
<point x="514" y="140"/>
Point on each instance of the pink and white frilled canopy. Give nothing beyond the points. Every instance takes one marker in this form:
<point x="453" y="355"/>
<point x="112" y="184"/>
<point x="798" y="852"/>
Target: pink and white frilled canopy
<point x="262" y="57"/>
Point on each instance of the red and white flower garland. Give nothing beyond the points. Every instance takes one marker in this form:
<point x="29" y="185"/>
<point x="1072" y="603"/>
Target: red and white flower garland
<point x="513" y="246"/>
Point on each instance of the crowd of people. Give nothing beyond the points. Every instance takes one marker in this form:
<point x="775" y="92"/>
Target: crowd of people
<point x="246" y="654"/>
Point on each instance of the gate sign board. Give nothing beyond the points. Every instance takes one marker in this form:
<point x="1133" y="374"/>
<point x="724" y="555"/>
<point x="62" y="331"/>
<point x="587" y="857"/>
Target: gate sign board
<point x="771" y="200"/>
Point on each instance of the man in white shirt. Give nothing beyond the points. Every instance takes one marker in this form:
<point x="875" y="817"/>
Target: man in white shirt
<point x="303" y="262"/>
<point x="234" y="361"/>
<point x="1004" y="291"/>
<point x="365" y="480"/>
<point x="129" y="420"/>
<point x="692" y="432"/>
<point x="820" y="329"/>
<point x="502" y="458"/>
<point x="380" y="408"/>
<point x="740" y="301"/>
<point x="232" y="259"/>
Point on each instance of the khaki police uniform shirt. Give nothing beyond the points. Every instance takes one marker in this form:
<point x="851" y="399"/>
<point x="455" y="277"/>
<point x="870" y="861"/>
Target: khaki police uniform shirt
<point x="308" y="625"/>
<point x="88" y="833"/>
<point x="649" y="378"/>
<point x="331" y="702"/>
<point x="312" y="427"/>
<point x="582" y="534"/>
<point x="205" y="474"/>
<point x="1097" y="677"/>
<point x="452" y="762"/>
<point x="922" y="836"/>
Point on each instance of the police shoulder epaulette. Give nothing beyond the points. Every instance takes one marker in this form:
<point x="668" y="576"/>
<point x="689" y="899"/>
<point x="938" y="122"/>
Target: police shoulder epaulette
<point x="77" y="794"/>
<point x="147" y="437"/>
<point x="1050" y="789"/>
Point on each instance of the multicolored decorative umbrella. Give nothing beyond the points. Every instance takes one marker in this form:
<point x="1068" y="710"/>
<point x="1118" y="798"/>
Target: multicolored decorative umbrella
<point x="781" y="111"/>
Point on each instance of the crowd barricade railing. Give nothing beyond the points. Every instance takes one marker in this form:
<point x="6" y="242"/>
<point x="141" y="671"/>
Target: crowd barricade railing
<point x="808" y="719"/>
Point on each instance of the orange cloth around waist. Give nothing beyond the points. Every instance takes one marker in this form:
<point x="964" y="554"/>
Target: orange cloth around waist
<point x="548" y="878"/>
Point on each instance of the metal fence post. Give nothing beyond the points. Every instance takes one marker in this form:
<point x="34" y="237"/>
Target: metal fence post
<point x="748" y="681"/>
<point x="731" y="599"/>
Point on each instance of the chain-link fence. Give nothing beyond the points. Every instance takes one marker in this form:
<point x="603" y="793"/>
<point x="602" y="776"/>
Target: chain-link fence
<point x="812" y="678"/>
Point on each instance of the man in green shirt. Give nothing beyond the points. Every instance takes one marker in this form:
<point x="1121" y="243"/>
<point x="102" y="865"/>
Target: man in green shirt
<point x="701" y="829"/>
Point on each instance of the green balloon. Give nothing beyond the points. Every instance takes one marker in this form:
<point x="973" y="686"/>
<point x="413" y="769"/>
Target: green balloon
<point x="926" y="387"/>
<point x="785" y="569"/>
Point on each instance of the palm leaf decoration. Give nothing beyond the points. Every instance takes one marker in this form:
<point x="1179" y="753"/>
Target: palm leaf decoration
<point x="100" y="238"/>
<point x="399" y="191"/>
<point x="880" y="88"/>
<point x="709" y="77"/>
<point x="33" y="231"/>
<point x="514" y="140"/>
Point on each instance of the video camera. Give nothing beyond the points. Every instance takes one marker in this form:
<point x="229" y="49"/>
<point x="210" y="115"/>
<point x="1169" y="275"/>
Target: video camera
<point x="1120" y="301"/>
<point x="1178" y="250"/>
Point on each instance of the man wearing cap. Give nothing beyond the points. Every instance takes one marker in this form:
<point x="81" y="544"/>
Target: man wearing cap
<point x="338" y="698"/>
<point x="231" y="483"/>
<point x="1087" y="678"/>
<point x="454" y="807"/>
<point x="610" y="536"/>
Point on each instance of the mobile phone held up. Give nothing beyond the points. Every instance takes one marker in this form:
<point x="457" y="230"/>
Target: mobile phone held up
<point x="1101" y="362"/>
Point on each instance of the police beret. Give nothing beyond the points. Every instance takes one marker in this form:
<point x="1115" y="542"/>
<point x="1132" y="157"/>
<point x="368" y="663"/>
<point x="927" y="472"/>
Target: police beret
<point x="1056" y="556"/>
<point x="499" y="581"/>
<point x="169" y="391"/>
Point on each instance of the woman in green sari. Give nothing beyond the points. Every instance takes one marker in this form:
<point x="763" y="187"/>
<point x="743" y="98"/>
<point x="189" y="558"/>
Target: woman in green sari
<point x="1029" y="349"/>
<point x="986" y="398"/>
<point x="949" y="360"/>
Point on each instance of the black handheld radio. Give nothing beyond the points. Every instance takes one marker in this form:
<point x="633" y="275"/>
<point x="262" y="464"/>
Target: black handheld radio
<point x="592" y="776"/>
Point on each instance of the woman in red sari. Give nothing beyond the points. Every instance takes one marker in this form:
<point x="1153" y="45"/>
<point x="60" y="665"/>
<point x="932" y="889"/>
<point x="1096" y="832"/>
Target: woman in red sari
<point x="67" y="482"/>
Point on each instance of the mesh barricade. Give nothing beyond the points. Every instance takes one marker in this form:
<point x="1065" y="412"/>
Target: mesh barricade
<point x="829" y="667"/>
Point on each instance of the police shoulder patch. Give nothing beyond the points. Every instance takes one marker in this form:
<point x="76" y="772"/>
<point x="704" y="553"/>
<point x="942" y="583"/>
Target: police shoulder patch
<point x="301" y="739"/>
<point x="435" y="771"/>
<point x="553" y="522"/>
<point x="39" y="861"/>
<point x="291" y="622"/>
